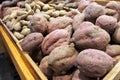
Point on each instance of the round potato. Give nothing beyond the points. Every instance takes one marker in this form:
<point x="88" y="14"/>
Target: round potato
<point x="94" y="63"/>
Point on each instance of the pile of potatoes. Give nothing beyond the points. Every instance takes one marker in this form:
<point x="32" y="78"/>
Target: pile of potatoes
<point x="21" y="18"/>
<point x="69" y="44"/>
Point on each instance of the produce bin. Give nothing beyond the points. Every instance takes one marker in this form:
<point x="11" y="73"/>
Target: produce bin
<point x="27" y="68"/>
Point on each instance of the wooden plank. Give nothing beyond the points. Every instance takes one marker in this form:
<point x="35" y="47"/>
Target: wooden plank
<point x="20" y="65"/>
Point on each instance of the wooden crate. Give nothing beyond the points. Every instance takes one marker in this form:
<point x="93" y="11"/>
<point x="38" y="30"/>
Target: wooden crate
<point x="26" y="67"/>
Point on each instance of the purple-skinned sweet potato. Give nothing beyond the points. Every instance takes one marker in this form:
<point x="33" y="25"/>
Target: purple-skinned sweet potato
<point x="94" y="63"/>
<point x="32" y="41"/>
<point x="107" y="23"/>
<point x="54" y="39"/>
<point x="62" y="58"/>
<point x="59" y="23"/>
<point x="90" y="37"/>
<point x="38" y="23"/>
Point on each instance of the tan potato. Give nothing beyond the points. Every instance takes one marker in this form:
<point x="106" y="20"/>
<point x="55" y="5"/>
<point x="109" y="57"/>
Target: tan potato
<point x="46" y="7"/>
<point x="107" y="23"/>
<point x="25" y="31"/>
<point x="44" y="67"/>
<point x="55" y="14"/>
<point x="62" y="58"/>
<point x="90" y="36"/>
<point x="59" y="23"/>
<point x="17" y="26"/>
<point x="94" y="63"/>
<point x="113" y="50"/>
<point x="63" y="12"/>
<point x="52" y="40"/>
<point x="32" y="41"/>
<point x="18" y="35"/>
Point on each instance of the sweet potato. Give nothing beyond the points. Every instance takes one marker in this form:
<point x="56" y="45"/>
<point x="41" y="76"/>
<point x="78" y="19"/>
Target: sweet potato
<point x="92" y="11"/>
<point x="72" y="13"/>
<point x="59" y="23"/>
<point x="62" y="58"/>
<point x="62" y="77"/>
<point x="90" y="37"/>
<point x="52" y="40"/>
<point x="107" y="23"/>
<point x="113" y="5"/>
<point x="82" y="4"/>
<point x="78" y="76"/>
<point x="116" y="35"/>
<point x="38" y="23"/>
<point x="9" y="10"/>
<point x="77" y="20"/>
<point x="32" y="41"/>
<point x="113" y="50"/>
<point x="94" y="63"/>
<point x="45" y="68"/>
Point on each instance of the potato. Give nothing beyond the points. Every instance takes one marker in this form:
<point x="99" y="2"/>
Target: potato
<point x="113" y="50"/>
<point x="18" y="35"/>
<point x="107" y="23"/>
<point x="10" y="10"/>
<point x="113" y="5"/>
<point x="72" y="13"/>
<point x="117" y="59"/>
<point x="94" y="63"/>
<point x="62" y="58"/>
<point x="62" y="77"/>
<point x="92" y="11"/>
<point x="25" y="31"/>
<point x="77" y="20"/>
<point x="62" y="12"/>
<point x="110" y="12"/>
<point x="55" y="14"/>
<point x="21" y="4"/>
<point x="90" y="36"/>
<point x="82" y="4"/>
<point x="59" y="23"/>
<point x="45" y="68"/>
<point x="32" y="41"/>
<point x="52" y="40"/>
<point x="38" y="23"/>
<point x="46" y="7"/>
<point x="116" y="35"/>
<point x="78" y="76"/>
<point x="72" y="5"/>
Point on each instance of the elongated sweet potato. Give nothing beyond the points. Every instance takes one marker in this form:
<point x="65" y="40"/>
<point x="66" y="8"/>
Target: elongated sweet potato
<point x="77" y="20"/>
